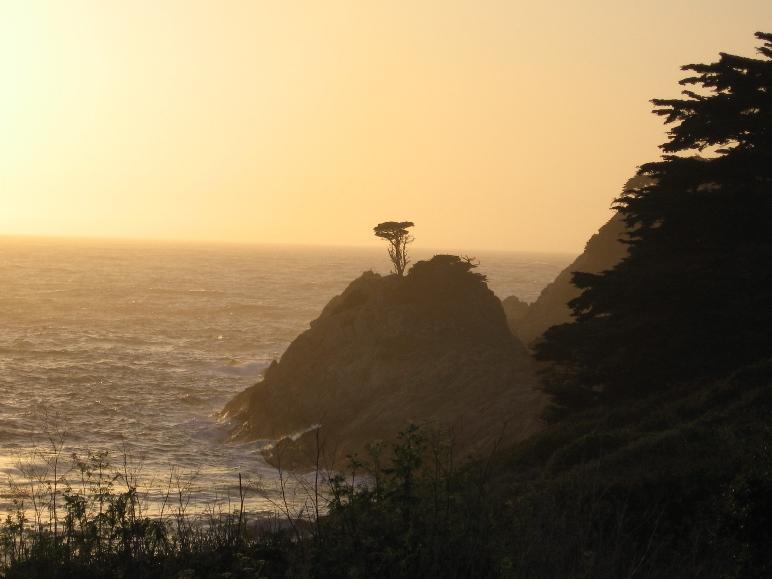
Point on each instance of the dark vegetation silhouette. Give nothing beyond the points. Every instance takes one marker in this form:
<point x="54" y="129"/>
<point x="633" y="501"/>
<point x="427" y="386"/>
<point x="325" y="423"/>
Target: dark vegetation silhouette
<point x="658" y="463"/>
<point x="403" y="510"/>
<point x="692" y="298"/>
<point x="398" y="237"/>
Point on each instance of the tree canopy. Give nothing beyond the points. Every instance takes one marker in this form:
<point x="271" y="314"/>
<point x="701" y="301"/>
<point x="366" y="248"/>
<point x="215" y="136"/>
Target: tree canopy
<point x="398" y="236"/>
<point x="694" y="295"/>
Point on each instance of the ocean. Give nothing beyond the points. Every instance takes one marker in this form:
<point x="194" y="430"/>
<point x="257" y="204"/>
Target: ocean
<point x="133" y="348"/>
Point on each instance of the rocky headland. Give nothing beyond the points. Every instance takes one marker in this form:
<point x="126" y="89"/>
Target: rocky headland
<point x="432" y="347"/>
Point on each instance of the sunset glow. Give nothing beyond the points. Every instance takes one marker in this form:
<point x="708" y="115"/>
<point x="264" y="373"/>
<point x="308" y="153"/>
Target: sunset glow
<point x="507" y="125"/>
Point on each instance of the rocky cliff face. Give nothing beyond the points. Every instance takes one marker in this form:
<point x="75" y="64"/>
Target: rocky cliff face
<point x="603" y="251"/>
<point x="515" y="310"/>
<point x="432" y="347"/>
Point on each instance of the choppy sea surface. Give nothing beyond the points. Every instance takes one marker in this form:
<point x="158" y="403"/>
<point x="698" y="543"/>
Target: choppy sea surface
<point x="133" y="347"/>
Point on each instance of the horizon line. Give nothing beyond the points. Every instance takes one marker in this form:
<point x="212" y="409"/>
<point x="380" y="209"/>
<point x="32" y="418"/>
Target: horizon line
<point x="235" y="243"/>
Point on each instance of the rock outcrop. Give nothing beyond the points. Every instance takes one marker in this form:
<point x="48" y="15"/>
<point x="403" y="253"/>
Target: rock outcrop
<point x="431" y="347"/>
<point x="603" y="251"/>
<point x="515" y="310"/>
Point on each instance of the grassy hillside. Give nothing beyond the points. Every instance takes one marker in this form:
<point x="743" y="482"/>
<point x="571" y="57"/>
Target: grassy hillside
<point x="677" y="484"/>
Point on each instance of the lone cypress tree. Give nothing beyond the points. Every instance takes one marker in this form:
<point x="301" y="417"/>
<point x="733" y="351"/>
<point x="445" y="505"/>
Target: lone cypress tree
<point x="694" y="296"/>
<point x="398" y="236"/>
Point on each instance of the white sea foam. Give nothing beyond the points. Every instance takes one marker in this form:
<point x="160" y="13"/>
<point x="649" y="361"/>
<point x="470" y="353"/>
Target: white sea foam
<point x="251" y="369"/>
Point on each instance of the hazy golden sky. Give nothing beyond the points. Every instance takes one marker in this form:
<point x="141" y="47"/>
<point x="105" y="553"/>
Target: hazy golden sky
<point x="491" y="124"/>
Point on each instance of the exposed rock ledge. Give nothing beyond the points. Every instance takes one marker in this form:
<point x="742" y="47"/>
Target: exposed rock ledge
<point x="602" y="252"/>
<point x="432" y="347"/>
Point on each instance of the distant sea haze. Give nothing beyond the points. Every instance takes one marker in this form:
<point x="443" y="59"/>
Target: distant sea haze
<point x="136" y="346"/>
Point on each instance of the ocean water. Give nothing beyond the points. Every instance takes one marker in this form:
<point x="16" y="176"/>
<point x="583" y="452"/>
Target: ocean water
<point x="133" y="347"/>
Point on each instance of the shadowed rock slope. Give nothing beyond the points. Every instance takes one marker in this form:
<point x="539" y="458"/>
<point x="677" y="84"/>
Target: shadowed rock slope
<point x="432" y="347"/>
<point x="515" y="310"/>
<point x="603" y="251"/>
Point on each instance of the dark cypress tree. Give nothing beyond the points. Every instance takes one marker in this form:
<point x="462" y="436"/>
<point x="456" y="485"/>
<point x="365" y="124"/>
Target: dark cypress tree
<point x="694" y="296"/>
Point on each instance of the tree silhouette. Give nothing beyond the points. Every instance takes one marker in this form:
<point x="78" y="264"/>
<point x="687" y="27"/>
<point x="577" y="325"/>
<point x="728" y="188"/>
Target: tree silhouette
<point x="398" y="236"/>
<point x="693" y="296"/>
